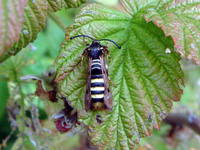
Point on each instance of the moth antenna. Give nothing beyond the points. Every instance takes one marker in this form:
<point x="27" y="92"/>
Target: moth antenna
<point x="112" y="42"/>
<point x="82" y="36"/>
<point x="96" y="40"/>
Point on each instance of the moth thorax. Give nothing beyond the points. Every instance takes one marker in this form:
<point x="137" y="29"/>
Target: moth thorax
<point x="95" y="53"/>
<point x="98" y="106"/>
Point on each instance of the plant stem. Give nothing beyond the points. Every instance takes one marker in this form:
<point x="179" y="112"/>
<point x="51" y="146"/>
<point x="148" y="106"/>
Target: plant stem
<point x="183" y="119"/>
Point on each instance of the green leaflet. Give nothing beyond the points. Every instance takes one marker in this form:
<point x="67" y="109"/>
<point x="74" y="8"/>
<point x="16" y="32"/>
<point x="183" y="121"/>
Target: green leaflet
<point x="145" y="75"/>
<point x="34" y="15"/>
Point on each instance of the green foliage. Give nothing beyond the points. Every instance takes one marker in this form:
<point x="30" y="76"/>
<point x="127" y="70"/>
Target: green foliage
<point x="4" y="95"/>
<point x="35" y="59"/>
<point x="145" y="74"/>
<point x="145" y="78"/>
<point x="34" y="14"/>
<point x="179" y="19"/>
<point x="184" y="139"/>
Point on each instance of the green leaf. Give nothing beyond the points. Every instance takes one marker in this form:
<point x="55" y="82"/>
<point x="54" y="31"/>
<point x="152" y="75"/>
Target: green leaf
<point x="181" y="20"/>
<point x="11" y="19"/>
<point x="35" y="16"/>
<point x="145" y="75"/>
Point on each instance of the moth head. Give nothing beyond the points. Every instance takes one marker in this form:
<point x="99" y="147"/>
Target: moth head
<point x="96" y="43"/>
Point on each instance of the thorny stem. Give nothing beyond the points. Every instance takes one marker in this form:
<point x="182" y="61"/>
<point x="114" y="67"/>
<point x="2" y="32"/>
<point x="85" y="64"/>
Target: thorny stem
<point x="57" y="21"/>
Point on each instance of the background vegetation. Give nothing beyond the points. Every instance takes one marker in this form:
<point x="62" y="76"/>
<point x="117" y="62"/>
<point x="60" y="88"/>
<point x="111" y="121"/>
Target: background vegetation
<point x="19" y="107"/>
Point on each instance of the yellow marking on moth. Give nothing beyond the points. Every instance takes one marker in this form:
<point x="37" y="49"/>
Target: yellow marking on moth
<point x="98" y="105"/>
<point x="97" y="95"/>
<point x="97" y="88"/>
<point x="98" y="80"/>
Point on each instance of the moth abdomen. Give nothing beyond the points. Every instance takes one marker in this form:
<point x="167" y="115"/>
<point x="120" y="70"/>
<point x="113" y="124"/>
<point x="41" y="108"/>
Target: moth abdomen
<point x="96" y="68"/>
<point x="97" y="76"/>
<point x="97" y="85"/>
<point x="97" y="91"/>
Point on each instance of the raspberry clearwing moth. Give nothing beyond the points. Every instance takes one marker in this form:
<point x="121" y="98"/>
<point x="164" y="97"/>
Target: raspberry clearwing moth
<point x="98" y="95"/>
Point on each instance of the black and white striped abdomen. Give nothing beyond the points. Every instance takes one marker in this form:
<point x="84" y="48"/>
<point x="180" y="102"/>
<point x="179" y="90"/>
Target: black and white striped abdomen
<point x="97" y="82"/>
<point x="96" y="67"/>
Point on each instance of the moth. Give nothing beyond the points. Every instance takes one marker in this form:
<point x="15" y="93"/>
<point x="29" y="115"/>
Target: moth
<point x="98" y="95"/>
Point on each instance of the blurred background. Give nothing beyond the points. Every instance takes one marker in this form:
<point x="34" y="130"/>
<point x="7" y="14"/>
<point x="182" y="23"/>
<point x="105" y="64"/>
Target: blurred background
<point x="37" y="59"/>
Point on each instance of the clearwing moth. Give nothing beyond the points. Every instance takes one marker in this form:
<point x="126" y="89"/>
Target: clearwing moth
<point x="98" y="95"/>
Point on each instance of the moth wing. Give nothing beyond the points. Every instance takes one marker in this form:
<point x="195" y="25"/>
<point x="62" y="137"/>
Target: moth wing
<point x="107" y="93"/>
<point x="88" y="94"/>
